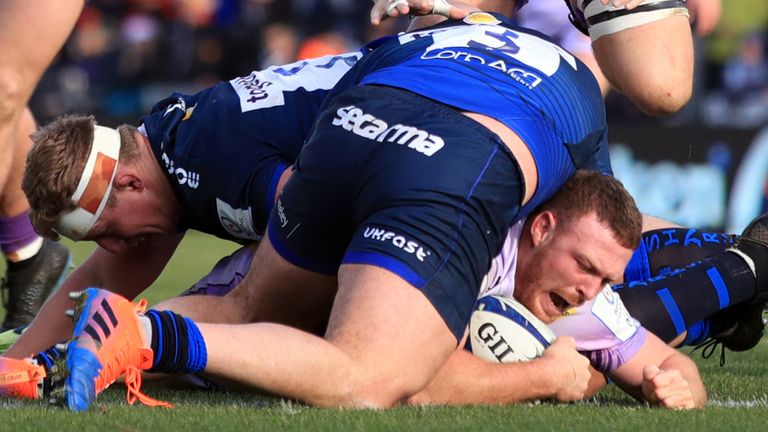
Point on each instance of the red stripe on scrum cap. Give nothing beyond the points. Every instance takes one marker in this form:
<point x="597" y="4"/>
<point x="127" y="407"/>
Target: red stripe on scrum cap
<point x="98" y="183"/>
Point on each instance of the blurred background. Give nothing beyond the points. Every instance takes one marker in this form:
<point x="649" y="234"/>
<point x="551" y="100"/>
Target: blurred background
<point x="706" y="166"/>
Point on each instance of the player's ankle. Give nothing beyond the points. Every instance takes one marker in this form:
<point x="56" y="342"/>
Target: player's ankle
<point x="176" y="342"/>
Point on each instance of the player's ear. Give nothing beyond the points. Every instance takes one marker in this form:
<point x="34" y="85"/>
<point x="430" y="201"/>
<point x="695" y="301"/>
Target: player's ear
<point x="128" y="180"/>
<point x="542" y="227"/>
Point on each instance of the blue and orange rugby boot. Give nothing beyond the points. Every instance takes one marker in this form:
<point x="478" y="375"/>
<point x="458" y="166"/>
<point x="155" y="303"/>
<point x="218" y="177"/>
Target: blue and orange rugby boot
<point x="108" y="342"/>
<point x="36" y="377"/>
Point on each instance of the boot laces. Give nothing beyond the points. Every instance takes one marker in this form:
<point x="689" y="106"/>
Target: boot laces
<point x="134" y="393"/>
<point x="708" y="348"/>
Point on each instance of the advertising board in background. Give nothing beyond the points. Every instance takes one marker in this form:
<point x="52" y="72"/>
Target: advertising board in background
<point x="713" y="178"/>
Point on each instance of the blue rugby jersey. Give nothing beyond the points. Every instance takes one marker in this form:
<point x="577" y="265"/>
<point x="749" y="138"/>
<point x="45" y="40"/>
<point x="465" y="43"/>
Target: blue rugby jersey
<point x="485" y="65"/>
<point x="223" y="149"/>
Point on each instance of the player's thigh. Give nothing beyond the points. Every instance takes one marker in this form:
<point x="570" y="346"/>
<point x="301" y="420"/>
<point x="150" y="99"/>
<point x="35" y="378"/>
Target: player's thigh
<point x="275" y="290"/>
<point x="651" y="63"/>
<point x="12" y="199"/>
<point x="32" y="33"/>
<point x="218" y="298"/>
<point x="432" y="215"/>
<point x="389" y="328"/>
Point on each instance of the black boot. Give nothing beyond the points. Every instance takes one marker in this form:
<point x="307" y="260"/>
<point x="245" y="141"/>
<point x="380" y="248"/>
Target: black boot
<point x="27" y="284"/>
<point x="745" y="321"/>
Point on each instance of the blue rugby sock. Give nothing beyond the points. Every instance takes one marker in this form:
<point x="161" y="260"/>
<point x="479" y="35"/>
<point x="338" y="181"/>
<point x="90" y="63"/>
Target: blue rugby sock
<point x="177" y="343"/>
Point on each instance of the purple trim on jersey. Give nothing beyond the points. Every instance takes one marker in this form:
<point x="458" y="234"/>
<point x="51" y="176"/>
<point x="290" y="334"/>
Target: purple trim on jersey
<point x="394" y="265"/>
<point x="609" y="359"/>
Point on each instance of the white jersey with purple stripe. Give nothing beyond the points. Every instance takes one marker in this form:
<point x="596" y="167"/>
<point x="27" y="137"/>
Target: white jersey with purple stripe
<point x="603" y="329"/>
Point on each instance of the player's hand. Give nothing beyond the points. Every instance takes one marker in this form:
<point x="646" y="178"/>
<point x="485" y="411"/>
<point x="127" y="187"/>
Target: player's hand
<point x="666" y="388"/>
<point x="705" y="14"/>
<point x="571" y="369"/>
<point x="627" y="4"/>
<point x="383" y="9"/>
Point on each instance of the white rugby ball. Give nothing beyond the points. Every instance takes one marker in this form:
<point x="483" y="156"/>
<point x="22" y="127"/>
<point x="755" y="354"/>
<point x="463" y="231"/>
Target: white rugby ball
<point x="502" y="330"/>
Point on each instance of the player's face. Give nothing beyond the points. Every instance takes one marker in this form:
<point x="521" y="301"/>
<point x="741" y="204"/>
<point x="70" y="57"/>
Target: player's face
<point x="569" y="265"/>
<point x="130" y="224"/>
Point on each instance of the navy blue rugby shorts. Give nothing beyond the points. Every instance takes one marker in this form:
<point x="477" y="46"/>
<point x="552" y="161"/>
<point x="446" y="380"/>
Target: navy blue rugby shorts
<point x="391" y="179"/>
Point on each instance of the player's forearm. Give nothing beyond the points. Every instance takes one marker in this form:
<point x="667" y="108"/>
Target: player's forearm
<point x="466" y="379"/>
<point x="132" y="271"/>
<point x="126" y="274"/>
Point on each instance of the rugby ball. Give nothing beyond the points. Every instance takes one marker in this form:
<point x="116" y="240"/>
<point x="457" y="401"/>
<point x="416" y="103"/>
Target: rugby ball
<point x="502" y="330"/>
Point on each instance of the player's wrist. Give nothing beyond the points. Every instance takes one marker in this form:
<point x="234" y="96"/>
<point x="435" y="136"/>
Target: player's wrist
<point x="551" y="375"/>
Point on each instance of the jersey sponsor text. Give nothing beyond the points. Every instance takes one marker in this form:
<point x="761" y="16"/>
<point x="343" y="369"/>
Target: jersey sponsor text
<point x="353" y="119"/>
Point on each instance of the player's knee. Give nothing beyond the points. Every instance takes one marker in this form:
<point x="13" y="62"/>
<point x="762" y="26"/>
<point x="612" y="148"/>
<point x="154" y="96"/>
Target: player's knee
<point x="11" y="101"/>
<point x="354" y="390"/>
<point x="381" y="397"/>
<point x="661" y="95"/>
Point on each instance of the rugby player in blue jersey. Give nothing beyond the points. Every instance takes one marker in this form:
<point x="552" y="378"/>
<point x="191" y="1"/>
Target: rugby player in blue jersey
<point x="589" y="150"/>
<point x="181" y="175"/>
<point x="211" y="161"/>
<point x="408" y="235"/>
<point x="644" y="47"/>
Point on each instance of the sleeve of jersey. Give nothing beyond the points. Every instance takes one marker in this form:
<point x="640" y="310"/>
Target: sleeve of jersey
<point x="604" y="331"/>
<point x="609" y="359"/>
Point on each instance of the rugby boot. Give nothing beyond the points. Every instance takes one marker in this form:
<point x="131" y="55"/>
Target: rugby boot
<point x="108" y="342"/>
<point x="748" y="325"/>
<point x="33" y="377"/>
<point x="26" y="288"/>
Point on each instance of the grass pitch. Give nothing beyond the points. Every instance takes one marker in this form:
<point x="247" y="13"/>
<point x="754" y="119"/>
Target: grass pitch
<point x="738" y="395"/>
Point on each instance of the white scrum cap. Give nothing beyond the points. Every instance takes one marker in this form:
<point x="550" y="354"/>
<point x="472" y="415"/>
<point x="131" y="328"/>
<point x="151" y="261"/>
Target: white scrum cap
<point x="95" y="184"/>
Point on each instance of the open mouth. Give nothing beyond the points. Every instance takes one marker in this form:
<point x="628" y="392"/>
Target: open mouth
<point x="560" y="303"/>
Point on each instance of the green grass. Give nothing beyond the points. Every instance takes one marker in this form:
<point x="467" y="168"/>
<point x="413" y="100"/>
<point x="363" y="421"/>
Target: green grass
<point x="738" y="392"/>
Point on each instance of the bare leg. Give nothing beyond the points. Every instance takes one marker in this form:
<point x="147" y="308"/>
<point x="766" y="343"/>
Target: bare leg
<point x="12" y="199"/>
<point x="32" y="33"/>
<point x="652" y="64"/>
<point x="384" y="342"/>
